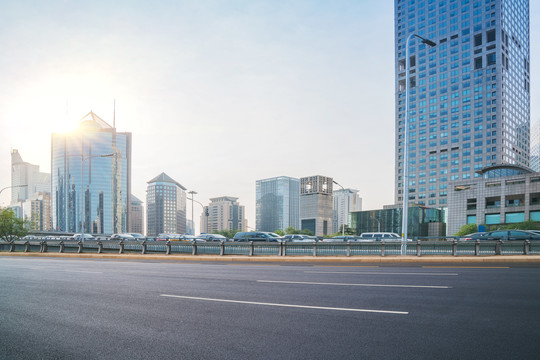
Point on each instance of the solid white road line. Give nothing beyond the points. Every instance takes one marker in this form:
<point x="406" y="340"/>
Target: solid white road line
<point x="379" y="273"/>
<point x="344" y="284"/>
<point x="287" y="305"/>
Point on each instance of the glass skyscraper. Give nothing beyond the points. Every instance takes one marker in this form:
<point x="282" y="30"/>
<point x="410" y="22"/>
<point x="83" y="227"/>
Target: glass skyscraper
<point x="93" y="160"/>
<point x="469" y="94"/>
<point x="277" y="203"/>
<point x="165" y="206"/>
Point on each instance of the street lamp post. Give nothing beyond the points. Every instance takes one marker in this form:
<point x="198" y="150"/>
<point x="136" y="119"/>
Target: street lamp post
<point x="379" y="223"/>
<point x="14" y="186"/>
<point x="192" y="200"/>
<point x="405" y="194"/>
<point x="342" y="225"/>
<point x="192" y="192"/>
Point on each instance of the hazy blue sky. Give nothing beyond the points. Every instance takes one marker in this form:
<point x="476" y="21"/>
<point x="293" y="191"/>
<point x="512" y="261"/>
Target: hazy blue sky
<point x="217" y="94"/>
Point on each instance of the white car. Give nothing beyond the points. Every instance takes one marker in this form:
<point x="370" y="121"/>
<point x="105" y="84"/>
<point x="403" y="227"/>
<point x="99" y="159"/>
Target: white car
<point x="123" y="237"/>
<point x="79" y="237"/>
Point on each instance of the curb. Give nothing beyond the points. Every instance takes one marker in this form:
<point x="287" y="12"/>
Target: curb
<point x="293" y="259"/>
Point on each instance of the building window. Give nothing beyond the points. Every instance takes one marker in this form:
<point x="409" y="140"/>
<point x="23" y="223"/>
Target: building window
<point x="512" y="218"/>
<point x="493" y="219"/>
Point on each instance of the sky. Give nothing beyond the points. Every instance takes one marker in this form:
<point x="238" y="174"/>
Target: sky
<point x="217" y="94"/>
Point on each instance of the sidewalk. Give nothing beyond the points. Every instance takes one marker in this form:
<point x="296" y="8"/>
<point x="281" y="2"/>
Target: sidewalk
<point x="292" y="259"/>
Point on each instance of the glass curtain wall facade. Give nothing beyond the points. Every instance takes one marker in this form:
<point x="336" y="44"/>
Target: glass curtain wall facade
<point x="422" y="221"/>
<point x="166" y="206"/>
<point x="277" y="205"/>
<point x="469" y="95"/>
<point x="94" y="160"/>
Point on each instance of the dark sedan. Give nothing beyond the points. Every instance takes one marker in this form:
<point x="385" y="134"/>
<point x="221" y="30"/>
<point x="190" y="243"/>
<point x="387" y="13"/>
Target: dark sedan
<point x="504" y="235"/>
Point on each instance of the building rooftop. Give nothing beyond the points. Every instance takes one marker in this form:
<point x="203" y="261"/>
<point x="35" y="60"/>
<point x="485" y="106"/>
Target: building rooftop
<point x="166" y="178"/>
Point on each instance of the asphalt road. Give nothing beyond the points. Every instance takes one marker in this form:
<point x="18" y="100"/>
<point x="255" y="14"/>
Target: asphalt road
<point x="54" y="308"/>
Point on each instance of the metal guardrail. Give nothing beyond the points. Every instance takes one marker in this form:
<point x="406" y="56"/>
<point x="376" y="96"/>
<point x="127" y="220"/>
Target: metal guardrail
<point x="376" y="248"/>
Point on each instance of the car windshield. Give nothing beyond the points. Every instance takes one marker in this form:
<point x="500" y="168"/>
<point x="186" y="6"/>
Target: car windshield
<point x="273" y="235"/>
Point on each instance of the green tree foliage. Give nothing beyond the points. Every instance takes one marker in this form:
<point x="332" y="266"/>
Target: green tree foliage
<point x="467" y="229"/>
<point x="11" y="228"/>
<point x="291" y="231"/>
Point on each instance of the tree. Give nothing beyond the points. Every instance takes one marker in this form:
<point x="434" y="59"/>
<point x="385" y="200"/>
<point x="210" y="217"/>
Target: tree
<point x="280" y="232"/>
<point x="290" y="231"/>
<point x="11" y="228"/>
<point x="467" y="229"/>
<point x="306" y="232"/>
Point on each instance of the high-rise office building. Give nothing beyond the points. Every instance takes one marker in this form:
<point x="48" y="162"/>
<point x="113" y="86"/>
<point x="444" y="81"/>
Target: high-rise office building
<point x="136" y="223"/>
<point x="26" y="179"/>
<point x="278" y="200"/>
<point x="93" y="161"/>
<point x="37" y="210"/>
<point x="469" y="100"/>
<point x="223" y="213"/>
<point x="345" y="201"/>
<point x="535" y="146"/>
<point x="165" y="206"/>
<point x="316" y="204"/>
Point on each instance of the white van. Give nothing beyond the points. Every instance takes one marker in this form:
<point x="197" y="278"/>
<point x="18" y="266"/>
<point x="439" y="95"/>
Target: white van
<point x="378" y="236"/>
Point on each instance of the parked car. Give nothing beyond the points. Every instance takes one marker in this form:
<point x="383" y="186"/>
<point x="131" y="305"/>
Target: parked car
<point x="378" y="236"/>
<point x="299" y="238"/>
<point x="138" y="237"/>
<point x="212" y="237"/>
<point x="122" y="237"/>
<point x="257" y="236"/>
<point x="80" y="237"/>
<point x="504" y="235"/>
<point x="191" y="238"/>
<point x="169" y="237"/>
<point x="341" y="238"/>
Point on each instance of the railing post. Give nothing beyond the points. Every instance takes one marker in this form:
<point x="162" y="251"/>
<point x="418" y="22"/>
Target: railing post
<point x="498" y="247"/>
<point x="251" y="248"/>
<point x="121" y="251"/>
<point x="526" y="247"/>
<point x="284" y="248"/>
<point x="168" y="245"/>
<point x="382" y="248"/>
<point x="348" y="247"/>
<point x="27" y="246"/>
<point x="61" y="250"/>
<point x="99" y="247"/>
<point x="221" y="248"/>
<point x="454" y="248"/>
<point x="143" y="247"/>
<point x="315" y="248"/>
<point x="477" y="248"/>
<point x="418" y="250"/>
<point x="193" y="247"/>
<point x="80" y="243"/>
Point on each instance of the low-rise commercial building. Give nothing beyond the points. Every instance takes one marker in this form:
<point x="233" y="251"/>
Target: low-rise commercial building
<point x="504" y="194"/>
<point x="422" y="220"/>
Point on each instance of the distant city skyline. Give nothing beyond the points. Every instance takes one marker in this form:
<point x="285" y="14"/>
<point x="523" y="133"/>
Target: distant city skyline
<point x="215" y="95"/>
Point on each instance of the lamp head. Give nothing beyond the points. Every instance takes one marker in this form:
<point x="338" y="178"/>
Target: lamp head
<point x="428" y="42"/>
